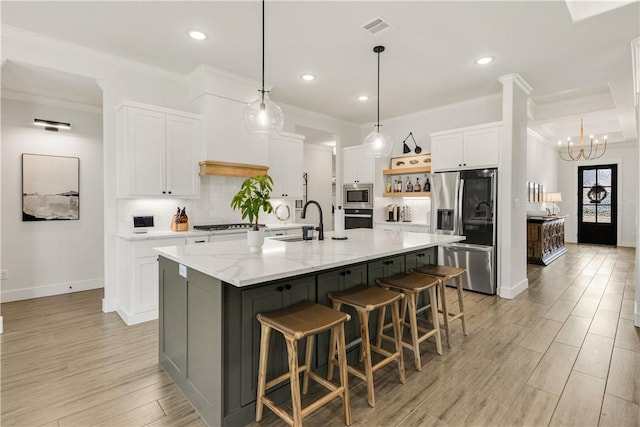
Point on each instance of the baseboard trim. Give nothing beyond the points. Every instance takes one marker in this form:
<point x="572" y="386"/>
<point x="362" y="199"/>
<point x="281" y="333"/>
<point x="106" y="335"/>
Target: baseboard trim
<point x="134" y="319"/>
<point x="627" y="244"/>
<point x="636" y="322"/>
<point x="50" y="290"/>
<point x="108" y="305"/>
<point x="514" y="291"/>
<point x="1" y="325"/>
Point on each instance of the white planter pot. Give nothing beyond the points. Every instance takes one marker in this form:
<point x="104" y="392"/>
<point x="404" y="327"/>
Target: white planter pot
<point x="255" y="239"/>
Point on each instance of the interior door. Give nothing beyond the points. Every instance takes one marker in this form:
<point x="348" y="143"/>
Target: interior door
<point x="597" y="204"/>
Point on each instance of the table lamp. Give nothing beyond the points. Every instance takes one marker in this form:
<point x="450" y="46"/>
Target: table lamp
<point x="553" y="198"/>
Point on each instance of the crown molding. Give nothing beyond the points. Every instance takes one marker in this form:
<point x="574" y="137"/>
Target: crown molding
<point x="518" y="80"/>
<point x="9" y="32"/>
<point x="540" y="138"/>
<point x="51" y="102"/>
<point x="320" y="116"/>
<point x="454" y="105"/>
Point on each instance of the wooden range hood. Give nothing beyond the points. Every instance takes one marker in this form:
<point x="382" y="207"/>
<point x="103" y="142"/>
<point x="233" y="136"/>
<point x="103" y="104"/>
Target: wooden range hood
<point x="209" y="167"/>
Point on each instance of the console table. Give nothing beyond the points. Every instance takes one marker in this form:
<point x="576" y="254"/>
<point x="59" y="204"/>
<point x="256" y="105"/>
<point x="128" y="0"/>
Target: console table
<point x="545" y="239"/>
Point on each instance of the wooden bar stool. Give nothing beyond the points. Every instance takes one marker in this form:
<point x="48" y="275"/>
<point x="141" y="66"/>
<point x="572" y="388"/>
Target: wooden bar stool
<point x="411" y="285"/>
<point x="302" y="320"/>
<point x="446" y="273"/>
<point x="364" y="299"/>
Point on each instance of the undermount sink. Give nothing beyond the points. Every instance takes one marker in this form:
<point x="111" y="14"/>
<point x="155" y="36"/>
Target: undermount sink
<point x="297" y="238"/>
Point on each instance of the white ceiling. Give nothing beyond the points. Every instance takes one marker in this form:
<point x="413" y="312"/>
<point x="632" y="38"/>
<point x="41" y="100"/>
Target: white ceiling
<point x="577" y="69"/>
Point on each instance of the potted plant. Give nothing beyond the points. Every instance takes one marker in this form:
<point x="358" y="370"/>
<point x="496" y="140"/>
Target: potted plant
<point x="253" y="196"/>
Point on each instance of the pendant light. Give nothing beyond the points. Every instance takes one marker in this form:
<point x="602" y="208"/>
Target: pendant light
<point x="262" y="116"/>
<point x="377" y="143"/>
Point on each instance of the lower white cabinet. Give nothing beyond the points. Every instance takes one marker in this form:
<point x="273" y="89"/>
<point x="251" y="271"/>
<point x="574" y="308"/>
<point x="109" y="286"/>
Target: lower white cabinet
<point x="403" y="226"/>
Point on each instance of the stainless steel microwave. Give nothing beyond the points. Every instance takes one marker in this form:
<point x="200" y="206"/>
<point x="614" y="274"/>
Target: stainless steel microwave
<point x="358" y="196"/>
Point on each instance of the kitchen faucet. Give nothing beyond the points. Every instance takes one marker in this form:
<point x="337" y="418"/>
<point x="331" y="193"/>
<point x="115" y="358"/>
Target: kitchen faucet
<point x="482" y="203"/>
<point x="320" y="228"/>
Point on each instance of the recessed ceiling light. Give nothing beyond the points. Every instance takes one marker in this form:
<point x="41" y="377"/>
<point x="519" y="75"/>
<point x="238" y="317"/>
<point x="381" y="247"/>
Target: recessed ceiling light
<point x="197" y="35"/>
<point x="308" y="77"/>
<point x="363" y="98"/>
<point x="484" y="60"/>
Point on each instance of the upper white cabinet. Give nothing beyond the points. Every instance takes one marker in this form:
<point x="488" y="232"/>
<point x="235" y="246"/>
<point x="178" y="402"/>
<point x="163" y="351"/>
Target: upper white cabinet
<point x="358" y="165"/>
<point x="285" y="165"/>
<point x="467" y="148"/>
<point x="158" y="151"/>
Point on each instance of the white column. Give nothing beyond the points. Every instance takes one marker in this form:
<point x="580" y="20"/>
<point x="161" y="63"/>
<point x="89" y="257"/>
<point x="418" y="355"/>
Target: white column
<point x="635" y="51"/>
<point x="512" y="215"/>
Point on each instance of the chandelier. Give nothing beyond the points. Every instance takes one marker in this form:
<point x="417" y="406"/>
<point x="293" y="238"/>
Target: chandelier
<point x="576" y="155"/>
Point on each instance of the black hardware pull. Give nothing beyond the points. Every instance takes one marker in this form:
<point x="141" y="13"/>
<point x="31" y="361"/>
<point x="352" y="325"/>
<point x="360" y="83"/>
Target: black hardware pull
<point x="343" y="273"/>
<point x="164" y="192"/>
<point x="388" y="262"/>
<point x="348" y="272"/>
<point x="169" y="192"/>
<point x="420" y="255"/>
<point x="280" y="288"/>
<point x="287" y="287"/>
<point x="200" y="241"/>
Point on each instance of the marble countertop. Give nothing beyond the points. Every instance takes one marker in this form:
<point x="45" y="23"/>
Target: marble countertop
<point x="232" y="262"/>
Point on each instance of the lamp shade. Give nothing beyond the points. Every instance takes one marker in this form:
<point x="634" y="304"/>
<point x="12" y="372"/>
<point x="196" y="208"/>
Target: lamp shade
<point x="553" y="197"/>
<point x="379" y="144"/>
<point x="263" y="116"/>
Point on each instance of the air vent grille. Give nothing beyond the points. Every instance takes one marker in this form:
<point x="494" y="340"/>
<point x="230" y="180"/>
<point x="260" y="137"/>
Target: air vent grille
<point x="377" y="26"/>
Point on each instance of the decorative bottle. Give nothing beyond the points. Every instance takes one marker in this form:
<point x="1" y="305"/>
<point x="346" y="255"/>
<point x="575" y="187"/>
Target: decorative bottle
<point x="399" y="186"/>
<point x="417" y="187"/>
<point x="388" y="187"/>
<point x="427" y="185"/>
<point x="409" y="186"/>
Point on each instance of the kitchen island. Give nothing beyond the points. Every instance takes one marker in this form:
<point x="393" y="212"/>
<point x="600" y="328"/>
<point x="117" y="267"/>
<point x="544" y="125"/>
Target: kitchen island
<point x="209" y="337"/>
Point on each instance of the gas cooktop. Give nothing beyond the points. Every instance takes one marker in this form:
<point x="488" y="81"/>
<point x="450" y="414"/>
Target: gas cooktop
<point x="226" y="227"/>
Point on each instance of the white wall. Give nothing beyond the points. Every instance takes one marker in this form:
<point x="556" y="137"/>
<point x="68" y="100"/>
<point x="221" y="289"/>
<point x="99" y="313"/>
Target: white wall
<point x="51" y="257"/>
<point x="625" y="155"/>
<point x="542" y="168"/>
<point x="317" y="161"/>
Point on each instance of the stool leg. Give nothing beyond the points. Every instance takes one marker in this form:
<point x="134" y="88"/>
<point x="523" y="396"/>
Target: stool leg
<point x="344" y="379"/>
<point x="411" y="302"/>
<point x="434" y="316"/>
<point x="332" y="346"/>
<point x="307" y="362"/>
<point x="382" y="312"/>
<point x="460" y="303"/>
<point x="262" y="368"/>
<point x="292" y="350"/>
<point x="445" y="310"/>
<point x="366" y="352"/>
<point x="395" y="311"/>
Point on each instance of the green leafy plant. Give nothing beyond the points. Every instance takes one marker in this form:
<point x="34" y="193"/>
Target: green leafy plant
<point x="254" y="194"/>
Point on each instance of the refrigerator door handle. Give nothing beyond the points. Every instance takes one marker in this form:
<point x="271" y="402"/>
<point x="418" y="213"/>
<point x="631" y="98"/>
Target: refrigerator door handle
<point x="459" y="207"/>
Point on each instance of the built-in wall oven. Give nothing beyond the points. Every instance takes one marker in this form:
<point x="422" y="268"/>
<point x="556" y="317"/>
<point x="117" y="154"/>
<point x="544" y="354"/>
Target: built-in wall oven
<point x="358" y="218"/>
<point x="357" y="196"/>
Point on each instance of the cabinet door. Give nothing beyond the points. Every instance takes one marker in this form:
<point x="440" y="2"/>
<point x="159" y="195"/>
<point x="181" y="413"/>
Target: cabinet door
<point x="481" y="147"/>
<point x="183" y="136"/>
<point x="379" y="270"/>
<point x="254" y="301"/>
<point x="358" y="165"/>
<point x="173" y="323"/>
<point x="293" y="159"/>
<point x="420" y="259"/>
<point x="367" y="166"/>
<point x="446" y="152"/>
<point x="145" y="284"/>
<point x="277" y="167"/>
<point x="350" y="165"/>
<point x="145" y="143"/>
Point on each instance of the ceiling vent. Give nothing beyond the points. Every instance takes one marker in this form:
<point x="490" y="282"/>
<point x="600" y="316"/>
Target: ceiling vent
<point x="377" y="26"/>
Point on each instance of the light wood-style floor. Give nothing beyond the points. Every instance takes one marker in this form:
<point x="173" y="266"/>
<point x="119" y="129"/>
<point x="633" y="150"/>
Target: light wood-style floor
<point x="565" y="352"/>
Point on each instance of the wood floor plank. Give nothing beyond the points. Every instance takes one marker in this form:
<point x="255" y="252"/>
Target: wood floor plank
<point x="595" y="356"/>
<point x="554" y="368"/>
<point x="626" y="311"/>
<point x="142" y="415"/>
<point x="580" y="402"/>
<point x="628" y="336"/>
<point x="624" y="375"/>
<point x="531" y="408"/>
<point x="618" y="412"/>
<point x="560" y="310"/>
<point x="610" y="302"/>
<point x="586" y="306"/>
<point x="604" y="323"/>
<point x="573" y="331"/>
<point x="542" y="335"/>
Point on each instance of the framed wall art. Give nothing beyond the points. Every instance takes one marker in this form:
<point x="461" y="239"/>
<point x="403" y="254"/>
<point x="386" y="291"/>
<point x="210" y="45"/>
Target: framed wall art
<point x="50" y="187"/>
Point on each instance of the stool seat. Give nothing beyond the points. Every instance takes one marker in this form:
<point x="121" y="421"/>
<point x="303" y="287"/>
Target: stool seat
<point x="367" y="297"/>
<point x="440" y="270"/>
<point x="303" y="319"/>
<point x="408" y="281"/>
<point x="364" y="299"/>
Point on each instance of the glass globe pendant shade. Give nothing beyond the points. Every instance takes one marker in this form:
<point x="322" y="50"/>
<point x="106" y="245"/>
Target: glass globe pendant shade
<point x="263" y="116"/>
<point x="378" y="144"/>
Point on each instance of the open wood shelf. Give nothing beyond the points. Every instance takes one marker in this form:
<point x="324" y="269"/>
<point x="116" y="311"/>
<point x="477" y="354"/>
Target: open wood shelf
<point x="408" y="194"/>
<point x="407" y="171"/>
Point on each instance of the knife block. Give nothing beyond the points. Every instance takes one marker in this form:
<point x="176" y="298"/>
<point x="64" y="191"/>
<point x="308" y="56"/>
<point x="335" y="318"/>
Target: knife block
<point x="181" y="226"/>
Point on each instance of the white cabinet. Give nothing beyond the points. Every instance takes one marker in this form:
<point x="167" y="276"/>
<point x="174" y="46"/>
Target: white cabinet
<point x="402" y="226"/>
<point x="358" y="165"/>
<point x="137" y="299"/>
<point x="158" y="151"/>
<point x="285" y="165"/>
<point x="467" y="148"/>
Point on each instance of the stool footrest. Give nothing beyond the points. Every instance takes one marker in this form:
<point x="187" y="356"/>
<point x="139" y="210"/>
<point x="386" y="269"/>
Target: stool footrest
<point x="317" y="404"/>
<point x="284" y="377"/>
<point x="277" y="410"/>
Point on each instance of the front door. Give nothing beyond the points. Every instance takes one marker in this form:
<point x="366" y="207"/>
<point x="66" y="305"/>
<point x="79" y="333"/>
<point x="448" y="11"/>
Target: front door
<point x="597" y="204"/>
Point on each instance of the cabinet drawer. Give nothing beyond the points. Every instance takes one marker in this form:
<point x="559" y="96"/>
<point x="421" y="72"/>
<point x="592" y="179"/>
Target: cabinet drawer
<point x="145" y="248"/>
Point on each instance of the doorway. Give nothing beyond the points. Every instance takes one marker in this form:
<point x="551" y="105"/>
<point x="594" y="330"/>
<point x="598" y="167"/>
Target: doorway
<point x="597" y="204"/>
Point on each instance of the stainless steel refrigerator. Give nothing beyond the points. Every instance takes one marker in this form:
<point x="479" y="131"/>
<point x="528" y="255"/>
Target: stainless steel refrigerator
<point x="464" y="203"/>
